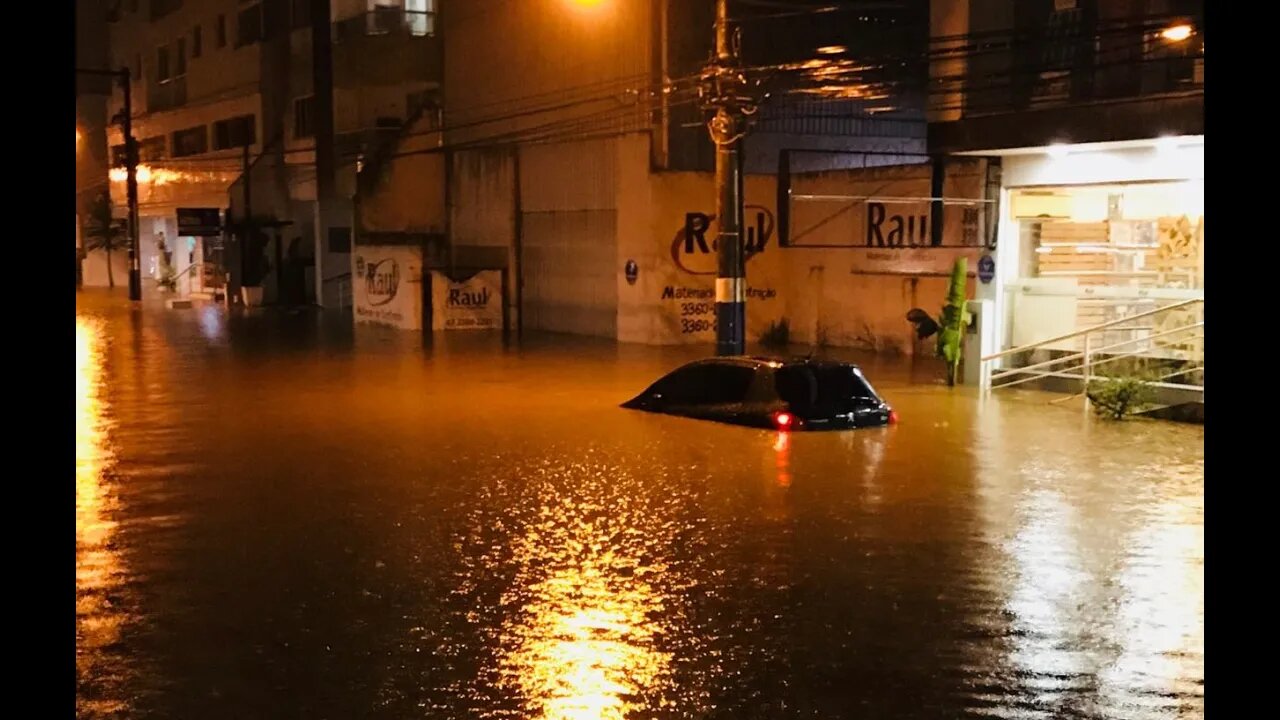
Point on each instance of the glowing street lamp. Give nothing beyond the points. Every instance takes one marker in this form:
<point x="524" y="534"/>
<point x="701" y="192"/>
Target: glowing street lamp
<point x="1177" y="33"/>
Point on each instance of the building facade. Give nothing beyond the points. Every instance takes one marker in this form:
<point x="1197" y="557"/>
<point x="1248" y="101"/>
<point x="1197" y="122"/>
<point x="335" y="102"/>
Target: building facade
<point x="572" y="147"/>
<point x="262" y="110"/>
<point x="1094" y="112"/>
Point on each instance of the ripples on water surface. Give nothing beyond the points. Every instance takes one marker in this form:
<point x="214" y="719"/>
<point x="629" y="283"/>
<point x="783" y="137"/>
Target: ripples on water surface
<point x="276" y="518"/>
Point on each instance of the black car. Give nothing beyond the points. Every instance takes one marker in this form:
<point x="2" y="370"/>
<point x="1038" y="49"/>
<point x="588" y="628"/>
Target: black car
<point x="769" y="393"/>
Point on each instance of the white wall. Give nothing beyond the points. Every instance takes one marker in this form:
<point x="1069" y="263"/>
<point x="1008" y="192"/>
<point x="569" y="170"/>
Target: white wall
<point x="1085" y="166"/>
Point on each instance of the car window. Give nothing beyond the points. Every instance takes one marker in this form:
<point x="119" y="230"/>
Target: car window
<point x="728" y="383"/>
<point x="705" y="384"/>
<point x="681" y="386"/>
<point x="809" y="385"/>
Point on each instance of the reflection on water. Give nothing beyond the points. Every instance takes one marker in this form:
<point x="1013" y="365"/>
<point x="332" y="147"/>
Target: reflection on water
<point x="1105" y="598"/>
<point x="98" y="624"/>
<point x="582" y="646"/>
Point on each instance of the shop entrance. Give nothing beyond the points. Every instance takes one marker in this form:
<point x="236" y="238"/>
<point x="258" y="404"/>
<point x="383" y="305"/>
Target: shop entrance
<point x="1092" y="254"/>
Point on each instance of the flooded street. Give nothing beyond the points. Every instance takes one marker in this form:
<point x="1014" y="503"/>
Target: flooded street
<point x="278" y="517"/>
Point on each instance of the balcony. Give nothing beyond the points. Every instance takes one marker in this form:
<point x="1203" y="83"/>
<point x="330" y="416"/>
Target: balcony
<point x="385" y="21"/>
<point x="387" y="47"/>
<point x="1098" y="82"/>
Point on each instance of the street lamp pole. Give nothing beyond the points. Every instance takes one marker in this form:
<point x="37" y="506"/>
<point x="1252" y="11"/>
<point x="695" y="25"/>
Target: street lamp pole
<point x="726" y="132"/>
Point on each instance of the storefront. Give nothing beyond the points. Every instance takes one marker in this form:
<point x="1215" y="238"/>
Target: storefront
<point x="1094" y="233"/>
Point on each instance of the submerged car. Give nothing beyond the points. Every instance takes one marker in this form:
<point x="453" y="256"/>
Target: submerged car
<point x="770" y="393"/>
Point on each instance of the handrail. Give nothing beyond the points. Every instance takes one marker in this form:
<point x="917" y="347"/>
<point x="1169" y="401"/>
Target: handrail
<point x="1073" y="356"/>
<point x="1086" y="331"/>
<point x="188" y="269"/>
<point x="1034" y="374"/>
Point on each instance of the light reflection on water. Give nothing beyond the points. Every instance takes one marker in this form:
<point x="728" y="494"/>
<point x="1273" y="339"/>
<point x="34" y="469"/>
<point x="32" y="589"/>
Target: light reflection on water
<point x="98" y="624"/>
<point x="581" y="645"/>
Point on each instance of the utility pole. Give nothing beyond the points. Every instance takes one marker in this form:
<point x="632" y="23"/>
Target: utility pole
<point x="723" y="82"/>
<point x="131" y="186"/>
<point x="131" y="170"/>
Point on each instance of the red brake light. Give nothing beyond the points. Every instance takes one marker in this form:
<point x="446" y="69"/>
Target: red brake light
<point x="783" y="420"/>
<point x="893" y="417"/>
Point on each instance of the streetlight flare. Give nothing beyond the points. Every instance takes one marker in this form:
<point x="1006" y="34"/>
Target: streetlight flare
<point x="1177" y="33"/>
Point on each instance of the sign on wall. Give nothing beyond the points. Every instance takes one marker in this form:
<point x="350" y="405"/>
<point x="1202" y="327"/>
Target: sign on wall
<point x="471" y="304"/>
<point x="199" y="222"/>
<point x="386" y="286"/>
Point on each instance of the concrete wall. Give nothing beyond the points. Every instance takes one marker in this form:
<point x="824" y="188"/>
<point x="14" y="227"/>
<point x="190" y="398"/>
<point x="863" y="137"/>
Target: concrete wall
<point x="574" y="215"/>
<point x="406" y="194"/>
<point x="568" y="219"/>
<point x="851" y="295"/>
<point x="536" y="65"/>
<point x="95" y="268"/>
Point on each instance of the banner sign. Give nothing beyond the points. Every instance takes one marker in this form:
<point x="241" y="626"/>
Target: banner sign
<point x="386" y="286"/>
<point x="471" y="304"/>
<point x="199" y="222"/>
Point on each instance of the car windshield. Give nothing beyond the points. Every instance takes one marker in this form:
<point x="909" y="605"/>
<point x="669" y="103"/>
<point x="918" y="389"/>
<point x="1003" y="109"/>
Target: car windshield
<point x="811" y="385"/>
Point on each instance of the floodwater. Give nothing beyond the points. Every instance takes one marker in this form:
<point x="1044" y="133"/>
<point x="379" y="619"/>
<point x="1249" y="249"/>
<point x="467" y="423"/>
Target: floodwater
<point x="279" y="518"/>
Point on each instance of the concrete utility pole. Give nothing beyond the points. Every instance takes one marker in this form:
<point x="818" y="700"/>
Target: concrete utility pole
<point x="722" y="88"/>
<point x="131" y="187"/>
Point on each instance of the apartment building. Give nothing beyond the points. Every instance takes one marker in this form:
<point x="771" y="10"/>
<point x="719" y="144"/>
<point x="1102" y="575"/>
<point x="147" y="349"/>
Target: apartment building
<point x="262" y="109"/>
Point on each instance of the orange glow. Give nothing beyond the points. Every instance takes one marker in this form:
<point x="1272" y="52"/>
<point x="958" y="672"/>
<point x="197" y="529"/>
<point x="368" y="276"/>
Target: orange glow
<point x="98" y="565"/>
<point x="585" y="647"/>
<point x="1177" y="33"/>
<point x="832" y="50"/>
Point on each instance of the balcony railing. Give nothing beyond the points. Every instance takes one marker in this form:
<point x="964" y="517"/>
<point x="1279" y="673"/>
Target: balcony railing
<point x="1073" y="63"/>
<point x="385" y="21"/>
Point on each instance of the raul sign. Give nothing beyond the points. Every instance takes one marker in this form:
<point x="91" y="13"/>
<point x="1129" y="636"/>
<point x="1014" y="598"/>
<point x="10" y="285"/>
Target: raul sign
<point x="386" y="286"/>
<point x="471" y="304"/>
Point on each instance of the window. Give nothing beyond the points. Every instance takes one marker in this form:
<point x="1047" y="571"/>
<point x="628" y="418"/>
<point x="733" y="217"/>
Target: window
<point x="249" y="26"/>
<point x="728" y="384"/>
<point x="234" y="132"/>
<point x="118" y="158"/>
<point x="137" y="67"/>
<point x="180" y="59"/>
<point x="162" y="64"/>
<point x="339" y="239"/>
<point x="807" y="386"/>
<point x="197" y="42"/>
<point x="304" y="110"/>
<point x="221" y="31"/>
<point x="192" y="141"/>
<point x="706" y="384"/>
<point x="151" y="149"/>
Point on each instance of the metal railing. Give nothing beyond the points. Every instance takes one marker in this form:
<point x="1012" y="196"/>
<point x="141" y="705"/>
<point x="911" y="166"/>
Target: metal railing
<point x="1172" y="335"/>
<point x="385" y="21"/>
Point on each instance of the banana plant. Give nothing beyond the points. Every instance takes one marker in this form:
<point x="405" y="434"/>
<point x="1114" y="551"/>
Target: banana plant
<point x="951" y="325"/>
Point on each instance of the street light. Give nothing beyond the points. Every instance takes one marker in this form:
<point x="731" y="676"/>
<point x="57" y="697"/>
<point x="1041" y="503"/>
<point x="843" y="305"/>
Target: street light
<point x="1177" y="33"/>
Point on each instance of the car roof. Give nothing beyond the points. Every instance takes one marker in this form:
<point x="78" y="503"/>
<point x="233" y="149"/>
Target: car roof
<point x="761" y="361"/>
